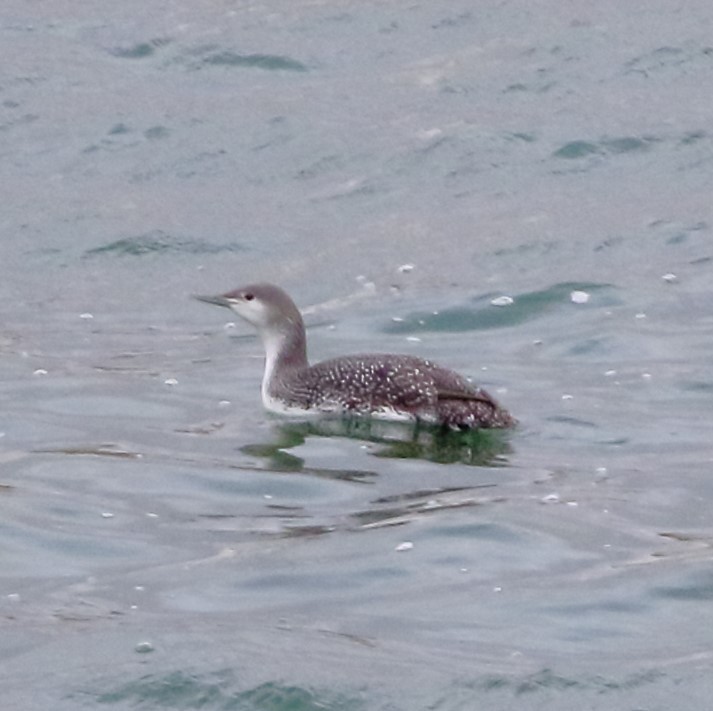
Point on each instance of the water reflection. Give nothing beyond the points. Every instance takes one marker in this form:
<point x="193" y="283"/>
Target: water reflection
<point x="396" y="440"/>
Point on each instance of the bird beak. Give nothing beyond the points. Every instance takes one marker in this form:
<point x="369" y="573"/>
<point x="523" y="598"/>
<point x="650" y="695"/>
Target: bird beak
<point x="217" y="300"/>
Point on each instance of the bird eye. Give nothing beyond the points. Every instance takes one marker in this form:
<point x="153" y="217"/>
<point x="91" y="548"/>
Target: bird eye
<point x="249" y="297"/>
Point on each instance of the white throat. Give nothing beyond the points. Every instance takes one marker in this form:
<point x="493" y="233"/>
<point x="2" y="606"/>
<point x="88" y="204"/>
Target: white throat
<point x="274" y="343"/>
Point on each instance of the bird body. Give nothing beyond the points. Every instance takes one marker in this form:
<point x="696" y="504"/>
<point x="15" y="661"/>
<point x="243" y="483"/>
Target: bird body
<point x="380" y="385"/>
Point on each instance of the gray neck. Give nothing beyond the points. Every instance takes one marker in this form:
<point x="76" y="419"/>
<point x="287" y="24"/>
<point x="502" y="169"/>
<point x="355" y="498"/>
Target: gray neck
<point x="285" y="353"/>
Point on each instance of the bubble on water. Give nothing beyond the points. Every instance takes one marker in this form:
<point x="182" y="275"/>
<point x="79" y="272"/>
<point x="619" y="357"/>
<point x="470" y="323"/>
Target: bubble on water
<point x="579" y="297"/>
<point x="144" y="647"/>
<point x="502" y="301"/>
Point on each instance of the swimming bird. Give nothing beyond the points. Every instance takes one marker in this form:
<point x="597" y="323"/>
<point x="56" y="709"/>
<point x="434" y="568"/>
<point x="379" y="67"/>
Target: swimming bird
<point x="382" y="385"/>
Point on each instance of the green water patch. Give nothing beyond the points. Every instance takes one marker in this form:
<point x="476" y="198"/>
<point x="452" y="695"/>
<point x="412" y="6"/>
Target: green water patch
<point x="184" y="690"/>
<point x="119" y="129"/>
<point x="669" y="59"/>
<point x="695" y="588"/>
<point x="217" y="690"/>
<point x="703" y="387"/>
<point x="692" y="137"/>
<point x="277" y="459"/>
<point x="157" y="132"/>
<point x="476" y="531"/>
<point x="213" y="55"/>
<point x="159" y="242"/>
<point x="484" y="315"/>
<point x="590" y="346"/>
<point x="140" y="50"/>
<point x="577" y="149"/>
<point x="270" y="62"/>
<point x="606" y="146"/>
<point x="686" y="232"/>
<point x="547" y="680"/>
<point x="628" y="144"/>
<point x="574" y="421"/>
<point x="480" y="448"/>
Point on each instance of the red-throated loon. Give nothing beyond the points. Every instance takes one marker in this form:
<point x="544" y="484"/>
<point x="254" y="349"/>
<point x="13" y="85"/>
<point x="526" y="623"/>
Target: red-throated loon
<point x="398" y="386"/>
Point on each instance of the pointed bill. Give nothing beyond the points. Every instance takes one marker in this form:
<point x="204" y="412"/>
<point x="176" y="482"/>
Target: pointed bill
<point x="217" y="300"/>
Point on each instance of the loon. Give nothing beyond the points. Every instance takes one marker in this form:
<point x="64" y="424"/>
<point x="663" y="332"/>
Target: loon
<point x="380" y="385"/>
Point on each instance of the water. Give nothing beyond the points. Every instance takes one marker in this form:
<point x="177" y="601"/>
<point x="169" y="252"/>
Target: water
<point x="167" y="544"/>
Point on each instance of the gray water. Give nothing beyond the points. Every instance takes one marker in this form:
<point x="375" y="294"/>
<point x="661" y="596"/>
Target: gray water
<point x="165" y="543"/>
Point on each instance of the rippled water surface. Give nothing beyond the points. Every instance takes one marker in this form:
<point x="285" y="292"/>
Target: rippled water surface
<point x="518" y="191"/>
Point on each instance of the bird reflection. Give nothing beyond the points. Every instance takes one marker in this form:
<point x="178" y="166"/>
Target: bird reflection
<point x="391" y="440"/>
